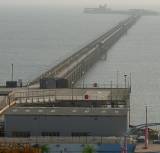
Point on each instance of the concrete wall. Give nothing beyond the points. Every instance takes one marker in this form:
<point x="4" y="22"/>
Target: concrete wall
<point x="96" y="126"/>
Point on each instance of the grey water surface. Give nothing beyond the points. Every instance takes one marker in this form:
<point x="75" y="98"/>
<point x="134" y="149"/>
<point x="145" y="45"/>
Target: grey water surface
<point x="35" y="39"/>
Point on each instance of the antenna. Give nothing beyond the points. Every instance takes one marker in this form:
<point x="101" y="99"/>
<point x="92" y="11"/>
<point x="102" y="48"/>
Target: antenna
<point x="12" y="73"/>
<point x="117" y="79"/>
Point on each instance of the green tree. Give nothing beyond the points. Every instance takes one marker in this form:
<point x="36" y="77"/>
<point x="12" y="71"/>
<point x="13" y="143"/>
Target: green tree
<point x="89" y="149"/>
<point x="45" y="149"/>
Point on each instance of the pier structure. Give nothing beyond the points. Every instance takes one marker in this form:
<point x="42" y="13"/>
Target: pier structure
<point x="74" y="67"/>
<point x="84" y="112"/>
<point x="71" y="69"/>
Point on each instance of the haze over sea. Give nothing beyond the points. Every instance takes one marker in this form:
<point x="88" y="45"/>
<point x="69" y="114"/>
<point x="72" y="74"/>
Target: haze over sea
<point x="36" y="38"/>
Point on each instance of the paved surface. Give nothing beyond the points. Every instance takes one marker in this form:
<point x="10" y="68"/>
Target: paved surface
<point x="153" y="148"/>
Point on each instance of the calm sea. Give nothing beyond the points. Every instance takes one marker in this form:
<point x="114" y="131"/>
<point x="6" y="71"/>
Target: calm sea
<point x="35" y="39"/>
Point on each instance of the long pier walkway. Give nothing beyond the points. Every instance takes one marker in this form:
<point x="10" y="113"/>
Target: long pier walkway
<point x="75" y="66"/>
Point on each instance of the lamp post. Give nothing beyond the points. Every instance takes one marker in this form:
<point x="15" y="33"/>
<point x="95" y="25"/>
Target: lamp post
<point x="112" y="103"/>
<point x="72" y="89"/>
<point x="130" y="81"/>
<point x="125" y="144"/>
<point x="111" y="91"/>
<point x="55" y="96"/>
<point x="129" y="116"/>
<point x="117" y="78"/>
<point x="12" y="73"/>
<point x="125" y="81"/>
<point x="27" y="90"/>
<point x="83" y="78"/>
<point x="146" y="130"/>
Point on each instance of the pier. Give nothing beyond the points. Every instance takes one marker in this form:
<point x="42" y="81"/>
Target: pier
<point x="86" y="107"/>
<point x="71" y="69"/>
<point x="74" y="67"/>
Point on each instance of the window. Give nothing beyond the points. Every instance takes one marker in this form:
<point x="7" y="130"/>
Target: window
<point x="77" y="134"/>
<point x="50" y="134"/>
<point x="21" y="134"/>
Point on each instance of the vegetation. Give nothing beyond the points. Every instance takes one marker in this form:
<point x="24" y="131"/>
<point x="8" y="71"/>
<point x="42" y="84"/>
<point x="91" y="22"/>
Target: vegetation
<point x="45" y="149"/>
<point x="89" y="149"/>
<point x="153" y="134"/>
<point x="18" y="148"/>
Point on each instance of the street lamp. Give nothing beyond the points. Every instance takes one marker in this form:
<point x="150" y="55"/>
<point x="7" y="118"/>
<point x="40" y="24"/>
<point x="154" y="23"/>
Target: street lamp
<point x="130" y="81"/>
<point x="112" y="104"/>
<point x="117" y="78"/>
<point x="146" y="130"/>
<point x="83" y="78"/>
<point x="27" y="90"/>
<point x="125" y="81"/>
<point x="55" y="96"/>
<point x="125" y="149"/>
<point x="12" y="73"/>
<point x="111" y="90"/>
<point x="72" y="89"/>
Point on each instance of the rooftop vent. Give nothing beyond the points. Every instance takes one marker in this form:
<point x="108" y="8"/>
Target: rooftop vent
<point x="27" y="110"/>
<point x="53" y="111"/>
<point x="14" y="110"/>
<point x="86" y="111"/>
<point x="40" y="110"/>
<point x="103" y="111"/>
<point x="74" y="111"/>
<point x="116" y="111"/>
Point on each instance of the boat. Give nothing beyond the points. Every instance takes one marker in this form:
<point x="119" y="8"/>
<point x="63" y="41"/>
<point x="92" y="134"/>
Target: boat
<point x="104" y="9"/>
<point x="101" y="9"/>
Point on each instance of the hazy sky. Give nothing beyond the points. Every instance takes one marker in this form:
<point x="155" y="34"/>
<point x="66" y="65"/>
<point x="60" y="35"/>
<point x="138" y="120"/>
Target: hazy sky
<point x="112" y="3"/>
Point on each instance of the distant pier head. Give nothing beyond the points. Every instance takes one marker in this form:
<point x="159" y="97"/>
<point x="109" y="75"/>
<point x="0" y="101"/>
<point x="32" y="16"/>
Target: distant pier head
<point x="103" y="9"/>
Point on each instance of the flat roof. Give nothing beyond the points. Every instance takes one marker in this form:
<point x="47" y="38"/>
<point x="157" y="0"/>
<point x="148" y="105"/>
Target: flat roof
<point x="66" y="111"/>
<point x="76" y="93"/>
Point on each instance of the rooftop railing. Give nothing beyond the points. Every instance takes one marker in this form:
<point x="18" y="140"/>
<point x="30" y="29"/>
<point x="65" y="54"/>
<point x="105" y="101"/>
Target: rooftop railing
<point x="107" y="96"/>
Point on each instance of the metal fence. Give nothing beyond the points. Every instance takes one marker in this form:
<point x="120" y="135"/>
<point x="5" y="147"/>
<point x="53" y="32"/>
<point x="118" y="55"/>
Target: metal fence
<point x="108" y="97"/>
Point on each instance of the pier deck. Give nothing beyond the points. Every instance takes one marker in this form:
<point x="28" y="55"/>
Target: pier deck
<point x="75" y="66"/>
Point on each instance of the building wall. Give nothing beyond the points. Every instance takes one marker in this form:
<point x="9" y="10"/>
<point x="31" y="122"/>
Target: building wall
<point x="65" y="125"/>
